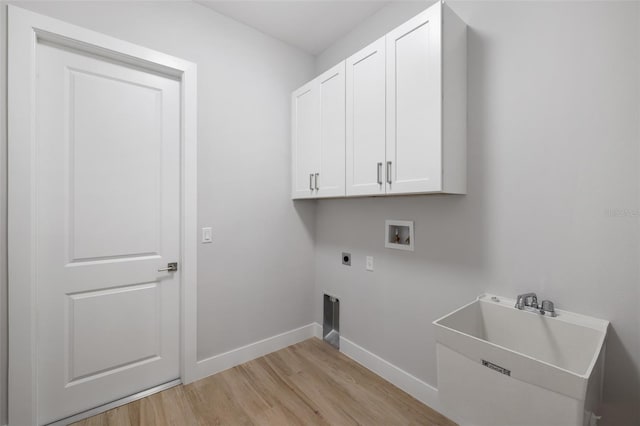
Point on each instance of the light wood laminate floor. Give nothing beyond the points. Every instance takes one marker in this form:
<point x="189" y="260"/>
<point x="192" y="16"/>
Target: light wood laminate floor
<point x="305" y="384"/>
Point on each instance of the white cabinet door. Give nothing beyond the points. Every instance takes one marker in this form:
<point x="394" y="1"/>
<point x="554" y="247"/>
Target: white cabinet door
<point x="305" y="140"/>
<point x="414" y="99"/>
<point x="365" y="72"/>
<point x="331" y="174"/>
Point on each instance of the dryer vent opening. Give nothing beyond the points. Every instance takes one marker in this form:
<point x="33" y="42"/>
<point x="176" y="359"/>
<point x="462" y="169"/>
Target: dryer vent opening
<point x="331" y="322"/>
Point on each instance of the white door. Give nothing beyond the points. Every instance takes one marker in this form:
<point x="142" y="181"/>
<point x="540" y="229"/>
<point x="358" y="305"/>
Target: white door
<point x="331" y="87"/>
<point x="365" y="80"/>
<point x="414" y="99"/>
<point x="108" y="205"/>
<point x="305" y="141"/>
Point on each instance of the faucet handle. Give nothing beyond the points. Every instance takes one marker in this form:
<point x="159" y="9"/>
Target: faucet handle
<point x="547" y="307"/>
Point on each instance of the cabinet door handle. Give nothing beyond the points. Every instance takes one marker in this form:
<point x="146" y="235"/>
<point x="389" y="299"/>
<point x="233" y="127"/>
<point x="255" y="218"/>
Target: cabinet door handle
<point x="389" y="172"/>
<point x="317" y="175"/>
<point x="379" y="173"/>
<point x="311" y="181"/>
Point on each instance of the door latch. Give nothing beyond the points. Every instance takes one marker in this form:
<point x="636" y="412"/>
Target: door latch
<point x="171" y="267"/>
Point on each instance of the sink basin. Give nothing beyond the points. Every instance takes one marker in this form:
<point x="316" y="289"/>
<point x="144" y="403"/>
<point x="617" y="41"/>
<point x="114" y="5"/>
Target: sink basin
<point x="498" y="365"/>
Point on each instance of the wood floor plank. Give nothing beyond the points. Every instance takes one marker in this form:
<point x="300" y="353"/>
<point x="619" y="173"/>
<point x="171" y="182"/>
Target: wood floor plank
<point x="354" y="376"/>
<point x="210" y="401"/>
<point x="118" y="416"/>
<point x="270" y="380"/>
<point x="305" y="384"/>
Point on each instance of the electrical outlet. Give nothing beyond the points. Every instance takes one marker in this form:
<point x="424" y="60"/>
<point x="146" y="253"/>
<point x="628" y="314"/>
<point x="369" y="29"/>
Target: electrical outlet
<point x="369" y="263"/>
<point x="346" y="259"/>
<point x="207" y="235"/>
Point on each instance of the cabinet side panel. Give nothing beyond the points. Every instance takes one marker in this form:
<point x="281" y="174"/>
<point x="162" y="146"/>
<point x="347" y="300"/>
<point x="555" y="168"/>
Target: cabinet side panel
<point x="454" y="102"/>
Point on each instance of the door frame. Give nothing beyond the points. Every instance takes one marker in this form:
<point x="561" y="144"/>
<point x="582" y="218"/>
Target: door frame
<point x="25" y="29"/>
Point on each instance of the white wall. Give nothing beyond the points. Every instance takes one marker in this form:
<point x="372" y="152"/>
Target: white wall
<point x="255" y="280"/>
<point x="377" y="25"/>
<point x="3" y="218"/>
<point x="553" y="136"/>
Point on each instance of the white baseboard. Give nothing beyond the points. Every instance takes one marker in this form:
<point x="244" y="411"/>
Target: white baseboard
<point x="415" y="387"/>
<point x="317" y="330"/>
<point x="224" y="361"/>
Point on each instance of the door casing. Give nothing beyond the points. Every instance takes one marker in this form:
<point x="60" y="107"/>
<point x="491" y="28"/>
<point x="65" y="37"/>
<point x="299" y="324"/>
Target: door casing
<point x="26" y="29"/>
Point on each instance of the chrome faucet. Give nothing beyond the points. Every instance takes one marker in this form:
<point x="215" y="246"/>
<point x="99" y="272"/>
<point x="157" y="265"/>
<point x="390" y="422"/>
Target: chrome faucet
<point x="529" y="302"/>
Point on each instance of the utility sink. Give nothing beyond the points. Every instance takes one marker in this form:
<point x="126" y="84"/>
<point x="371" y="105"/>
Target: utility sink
<point x="498" y="365"/>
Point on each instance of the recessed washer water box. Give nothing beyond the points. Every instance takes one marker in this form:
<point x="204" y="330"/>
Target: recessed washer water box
<point x="498" y="365"/>
<point x="398" y="234"/>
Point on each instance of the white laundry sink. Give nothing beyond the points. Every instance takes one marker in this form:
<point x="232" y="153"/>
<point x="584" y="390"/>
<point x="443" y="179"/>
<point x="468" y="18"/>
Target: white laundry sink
<point x="498" y="365"/>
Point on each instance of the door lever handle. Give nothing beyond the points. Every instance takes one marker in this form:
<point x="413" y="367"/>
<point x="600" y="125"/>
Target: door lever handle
<point x="171" y="267"/>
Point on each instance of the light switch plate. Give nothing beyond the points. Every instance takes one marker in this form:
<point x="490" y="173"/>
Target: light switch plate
<point x="207" y="235"/>
<point x="369" y="263"/>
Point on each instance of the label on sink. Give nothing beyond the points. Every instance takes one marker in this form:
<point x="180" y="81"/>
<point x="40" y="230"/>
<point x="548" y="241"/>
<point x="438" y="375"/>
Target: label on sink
<point x="497" y="368"/>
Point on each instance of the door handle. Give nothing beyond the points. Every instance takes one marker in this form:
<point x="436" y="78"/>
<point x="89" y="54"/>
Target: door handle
<point x="311" y="181"/>
<point x="389" y="180"/>
<point x="171" y="267"/>
<point x="317" y="175"/>
<point x="379" y="173"/>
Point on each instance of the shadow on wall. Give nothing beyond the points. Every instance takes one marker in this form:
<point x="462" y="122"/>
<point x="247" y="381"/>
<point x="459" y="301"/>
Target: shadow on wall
<point x="306" y="211"/>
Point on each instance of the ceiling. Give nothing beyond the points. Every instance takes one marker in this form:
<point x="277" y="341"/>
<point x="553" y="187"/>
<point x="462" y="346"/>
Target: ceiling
<point x="311" y="25"/>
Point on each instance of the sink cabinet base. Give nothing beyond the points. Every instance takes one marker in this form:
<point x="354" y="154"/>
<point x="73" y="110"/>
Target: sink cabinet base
<point x="483" y="396"/>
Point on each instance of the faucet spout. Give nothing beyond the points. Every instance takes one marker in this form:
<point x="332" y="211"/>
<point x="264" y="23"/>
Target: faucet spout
<point x="527" y="300"/>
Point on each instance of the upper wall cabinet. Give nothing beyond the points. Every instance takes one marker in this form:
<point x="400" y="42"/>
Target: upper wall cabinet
<point x="318" y="133"/>
<point x="405" y="113"/>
